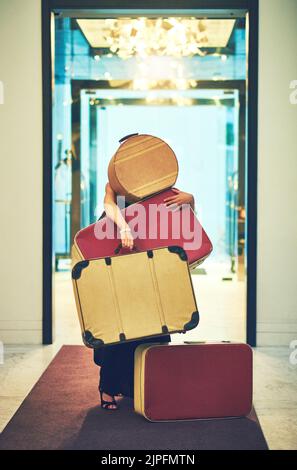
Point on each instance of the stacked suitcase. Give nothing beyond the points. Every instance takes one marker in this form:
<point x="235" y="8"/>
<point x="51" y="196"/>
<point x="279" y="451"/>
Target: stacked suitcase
<point x="143" y="165"/>
<point x="88" y="242"/>
<point x="122" y="296"/>
<point x="130" y="297"/>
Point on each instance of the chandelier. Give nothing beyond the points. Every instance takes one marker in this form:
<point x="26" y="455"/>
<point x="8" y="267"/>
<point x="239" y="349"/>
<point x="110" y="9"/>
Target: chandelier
<point x="143" y="37"/>
<point x="174" y="36"/>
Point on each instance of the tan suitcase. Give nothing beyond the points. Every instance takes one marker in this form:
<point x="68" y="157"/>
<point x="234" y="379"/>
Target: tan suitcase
<point x="143" y="165"/>
<point x="134" y="296"/>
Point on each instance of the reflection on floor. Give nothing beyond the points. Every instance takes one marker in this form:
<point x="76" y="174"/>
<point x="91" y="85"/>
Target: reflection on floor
<point x="275" y="380"/>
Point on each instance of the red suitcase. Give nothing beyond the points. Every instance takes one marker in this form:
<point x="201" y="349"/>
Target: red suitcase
<point x="153" y="226"/>
<point x="193" y="381"/>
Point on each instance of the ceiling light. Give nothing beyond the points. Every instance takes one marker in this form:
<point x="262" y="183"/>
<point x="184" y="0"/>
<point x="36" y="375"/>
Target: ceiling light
<point x="177" y="37"/>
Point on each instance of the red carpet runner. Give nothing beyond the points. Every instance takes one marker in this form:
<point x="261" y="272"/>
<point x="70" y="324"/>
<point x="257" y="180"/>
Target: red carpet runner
<point x="62" y="412"/>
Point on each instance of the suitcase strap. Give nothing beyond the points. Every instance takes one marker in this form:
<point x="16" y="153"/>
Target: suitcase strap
<point x="116" y="302"/>
<point x="157" y="291"/>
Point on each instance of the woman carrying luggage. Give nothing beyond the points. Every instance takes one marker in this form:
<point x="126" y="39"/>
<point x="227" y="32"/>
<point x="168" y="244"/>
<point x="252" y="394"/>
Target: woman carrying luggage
<point x="117" y="361"/>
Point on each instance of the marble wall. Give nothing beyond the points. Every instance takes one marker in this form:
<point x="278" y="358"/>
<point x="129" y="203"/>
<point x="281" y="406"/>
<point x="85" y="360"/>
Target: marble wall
<point x="21" y="172"/>
<point x="277" y="229"/>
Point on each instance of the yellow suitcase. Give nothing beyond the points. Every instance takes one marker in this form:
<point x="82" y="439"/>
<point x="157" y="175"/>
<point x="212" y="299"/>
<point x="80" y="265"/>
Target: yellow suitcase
<point x="134" y="296"/>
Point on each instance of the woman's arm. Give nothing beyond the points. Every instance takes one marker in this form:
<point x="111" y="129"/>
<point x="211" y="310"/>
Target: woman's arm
<point x="114" y="213"/>
<point x="180" y="198"/>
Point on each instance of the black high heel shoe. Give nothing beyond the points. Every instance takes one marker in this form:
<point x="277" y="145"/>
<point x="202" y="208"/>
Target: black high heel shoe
<point x="106" y="405"/>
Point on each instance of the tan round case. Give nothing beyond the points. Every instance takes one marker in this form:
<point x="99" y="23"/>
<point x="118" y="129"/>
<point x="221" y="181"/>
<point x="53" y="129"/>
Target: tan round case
<point x="143" y="165"/>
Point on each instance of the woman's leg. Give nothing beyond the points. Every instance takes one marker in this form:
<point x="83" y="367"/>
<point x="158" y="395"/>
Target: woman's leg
<point x="109" y="378"/>
<point x="107" y="398"/>
<point x="117" y="366"/>
<point x="127" y="363"/>
<point x="109" y="371"/>
<point x="117" y="369"/>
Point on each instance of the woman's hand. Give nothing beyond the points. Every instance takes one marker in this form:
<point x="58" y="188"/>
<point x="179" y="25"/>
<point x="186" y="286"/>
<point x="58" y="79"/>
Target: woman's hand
<point x="179" y="198"/>
<point x="114" y="213"/>
<point x="127" y="238"/>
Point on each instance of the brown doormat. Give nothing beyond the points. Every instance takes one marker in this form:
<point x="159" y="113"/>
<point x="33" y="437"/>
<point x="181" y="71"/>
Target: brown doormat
<point x="62" y="412"/>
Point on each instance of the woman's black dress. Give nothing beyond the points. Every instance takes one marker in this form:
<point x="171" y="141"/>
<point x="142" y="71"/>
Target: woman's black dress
<point x="117" y="364"/>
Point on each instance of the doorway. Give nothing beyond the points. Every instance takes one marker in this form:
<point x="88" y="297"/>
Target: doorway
<point x="211" y="147"/>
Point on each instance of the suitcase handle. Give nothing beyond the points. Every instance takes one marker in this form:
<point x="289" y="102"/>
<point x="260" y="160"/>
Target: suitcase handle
<point x="120" y="247"/>
<point x="127" y="137"/>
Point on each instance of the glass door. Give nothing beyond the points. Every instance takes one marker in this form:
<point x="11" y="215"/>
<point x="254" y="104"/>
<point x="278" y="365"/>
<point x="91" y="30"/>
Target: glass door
<point x="207" y="148"/>
<point x="182" y="79"/>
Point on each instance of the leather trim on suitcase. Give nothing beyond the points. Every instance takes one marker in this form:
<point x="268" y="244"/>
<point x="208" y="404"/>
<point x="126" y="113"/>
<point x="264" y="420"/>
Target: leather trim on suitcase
<point x="77" y="269"/>
<point x="90" y="341"/>
<point x="193" y="322"/>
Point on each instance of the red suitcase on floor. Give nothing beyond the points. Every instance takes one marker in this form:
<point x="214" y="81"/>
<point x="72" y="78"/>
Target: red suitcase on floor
<point x="193" y="381"/>
<point x="153" y="226"/>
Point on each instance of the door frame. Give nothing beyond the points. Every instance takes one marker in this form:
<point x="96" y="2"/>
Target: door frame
<point x="252" y="7"/>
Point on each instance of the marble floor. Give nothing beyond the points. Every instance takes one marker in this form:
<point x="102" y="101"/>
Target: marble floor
<point x="275" y="379"/>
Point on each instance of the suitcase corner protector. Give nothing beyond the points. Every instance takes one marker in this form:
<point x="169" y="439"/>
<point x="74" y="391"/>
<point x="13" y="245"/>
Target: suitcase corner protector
<point x="90" y="341"/>
<point x="179" y="251"/>
<point x="77" y="269"/>
<point x="193" y="322"/>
